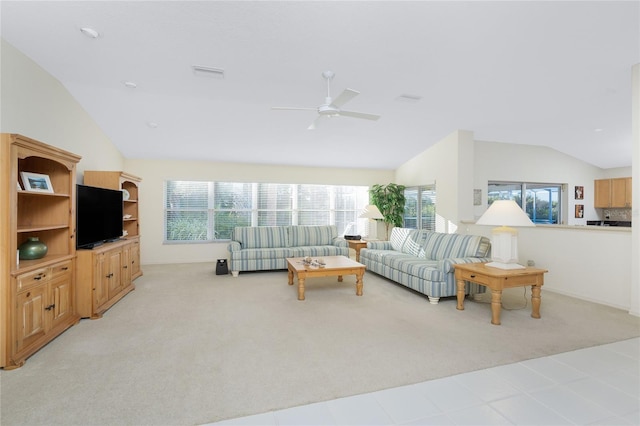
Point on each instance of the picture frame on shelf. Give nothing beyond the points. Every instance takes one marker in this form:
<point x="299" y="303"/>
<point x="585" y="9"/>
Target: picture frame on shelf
<point x="36" y="182"/>
<point x="18" y="187"/>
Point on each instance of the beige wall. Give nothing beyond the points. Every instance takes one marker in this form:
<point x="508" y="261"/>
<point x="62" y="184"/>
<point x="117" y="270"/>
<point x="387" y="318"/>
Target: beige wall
<point x="155" y="172"/>
<point x="33" y="103"/>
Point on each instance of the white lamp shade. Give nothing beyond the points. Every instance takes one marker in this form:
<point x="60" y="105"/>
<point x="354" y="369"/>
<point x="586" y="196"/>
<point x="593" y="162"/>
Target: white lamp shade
<point x="504" y="239"/>
<point x="371" y="212"/>
<point x="505" y="213"/>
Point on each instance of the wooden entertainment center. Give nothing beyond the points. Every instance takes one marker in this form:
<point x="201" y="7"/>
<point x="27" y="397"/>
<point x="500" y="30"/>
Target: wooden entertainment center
<point x="41" y="298"/>
<point x="105" y="274"/>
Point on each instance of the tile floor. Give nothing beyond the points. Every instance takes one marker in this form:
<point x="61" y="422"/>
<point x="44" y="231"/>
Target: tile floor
<point x="593" y="386"/>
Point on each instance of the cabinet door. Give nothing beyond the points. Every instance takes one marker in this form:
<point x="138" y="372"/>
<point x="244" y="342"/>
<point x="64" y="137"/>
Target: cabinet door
<point x="628" y="188"/>
<point x="114" y="260"/>
<point x="126" y="266"/>
<point x="31" y="321"/>
<point x="135" y="260"/>
<point x="101" y="282"/>
<point x="619" y="192"/>
<point x="61" y="300"/>
<point x="602" y="193"/>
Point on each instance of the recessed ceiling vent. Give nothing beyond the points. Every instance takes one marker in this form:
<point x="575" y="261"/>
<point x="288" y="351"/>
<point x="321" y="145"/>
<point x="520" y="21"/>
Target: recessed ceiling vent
<point x="210" y="72"/>
<point x="408" y="98"/>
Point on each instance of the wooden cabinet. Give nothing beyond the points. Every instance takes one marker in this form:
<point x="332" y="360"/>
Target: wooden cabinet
<point x="612" y="193"/>
<point x="104" y="276"/>
<point x="126" y="182"/>
<point x="37" y="300"/>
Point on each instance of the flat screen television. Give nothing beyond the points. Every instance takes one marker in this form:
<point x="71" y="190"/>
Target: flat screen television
<point x="98" y="216"/>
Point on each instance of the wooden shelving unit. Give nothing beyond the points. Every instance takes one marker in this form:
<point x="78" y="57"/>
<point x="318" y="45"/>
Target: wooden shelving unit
<point x="37" y="296"/>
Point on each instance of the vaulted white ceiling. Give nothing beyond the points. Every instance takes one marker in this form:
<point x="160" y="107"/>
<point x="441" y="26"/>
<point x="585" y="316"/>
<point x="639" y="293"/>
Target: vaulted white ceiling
<point x="544" y="73"/>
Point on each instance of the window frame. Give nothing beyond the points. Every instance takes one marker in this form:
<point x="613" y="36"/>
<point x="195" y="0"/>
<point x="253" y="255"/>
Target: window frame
<point x="526" y="188"/>
<point x="333" y="211"/>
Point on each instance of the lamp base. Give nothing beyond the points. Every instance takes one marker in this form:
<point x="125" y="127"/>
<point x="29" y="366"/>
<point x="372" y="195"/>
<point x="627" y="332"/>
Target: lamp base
<point x="502" y="265"/>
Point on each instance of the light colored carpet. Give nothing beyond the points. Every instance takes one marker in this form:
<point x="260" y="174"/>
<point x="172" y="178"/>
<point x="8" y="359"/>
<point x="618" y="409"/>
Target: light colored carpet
<point x="190" y="347"/>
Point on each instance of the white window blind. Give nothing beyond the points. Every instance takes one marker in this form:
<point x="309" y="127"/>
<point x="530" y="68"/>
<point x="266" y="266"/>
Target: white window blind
<point x="208" y="211"/>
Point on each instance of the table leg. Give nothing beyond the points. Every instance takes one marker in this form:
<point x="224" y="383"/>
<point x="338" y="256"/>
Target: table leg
<point x="300" y="288"/>
<point x="535" y="301"/>
<point x="339" y="278"/>
<point x="496" y="306"/>
<point x="460" y="295"/>
<point x="290" y="277"/>
<point x="359" y="283"/>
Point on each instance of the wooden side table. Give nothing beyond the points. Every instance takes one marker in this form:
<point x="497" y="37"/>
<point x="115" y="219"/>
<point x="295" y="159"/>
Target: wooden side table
<point x="357" y="245"/>
<point x="498" y="279"/>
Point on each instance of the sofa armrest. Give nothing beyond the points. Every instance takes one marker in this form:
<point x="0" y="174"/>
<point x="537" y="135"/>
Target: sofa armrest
<point x="446" y="265"/>
<point x="379" y="245"/>
<point x="234" y="246"/>
<point x="340" y="242"/>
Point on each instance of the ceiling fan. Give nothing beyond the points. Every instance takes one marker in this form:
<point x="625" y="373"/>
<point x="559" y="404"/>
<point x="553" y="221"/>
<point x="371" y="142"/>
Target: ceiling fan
<point x="332" y="107"/>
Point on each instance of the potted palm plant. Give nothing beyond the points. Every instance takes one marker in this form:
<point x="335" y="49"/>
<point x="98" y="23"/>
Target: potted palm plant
<point x="390" y="201"/>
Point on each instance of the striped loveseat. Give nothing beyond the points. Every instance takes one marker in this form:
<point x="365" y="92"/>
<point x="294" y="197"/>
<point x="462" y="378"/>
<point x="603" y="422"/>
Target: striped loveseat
<point x="259" y="248"/>
<point x="422" y="260"/>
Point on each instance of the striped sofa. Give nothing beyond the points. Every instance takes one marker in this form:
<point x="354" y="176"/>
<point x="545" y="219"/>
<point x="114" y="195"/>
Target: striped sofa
<point x="422" y="260"/>
<point x="259" y="248"/>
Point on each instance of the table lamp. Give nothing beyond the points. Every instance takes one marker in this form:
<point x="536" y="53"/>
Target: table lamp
<point x="504" y="238"/>
<point x="371" y="212"/>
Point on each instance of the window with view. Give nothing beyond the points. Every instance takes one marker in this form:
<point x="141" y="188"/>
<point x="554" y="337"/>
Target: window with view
<point x="541" y="201"/>
<point x="208" y="211"/>
<point x="420" y="207"/>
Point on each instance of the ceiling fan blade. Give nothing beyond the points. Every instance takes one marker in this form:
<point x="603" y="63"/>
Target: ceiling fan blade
<point x="344" y="97"/>
<point x="295" y="108"/>
<point x="359" y="115"/>
<point x="316" y="122"/>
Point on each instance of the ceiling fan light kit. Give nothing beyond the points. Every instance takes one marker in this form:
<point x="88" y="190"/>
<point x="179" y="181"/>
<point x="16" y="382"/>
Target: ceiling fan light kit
<point x="332" y="107"/>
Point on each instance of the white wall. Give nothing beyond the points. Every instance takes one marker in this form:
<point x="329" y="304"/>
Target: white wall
<point x="591" y="264"/>
<point x="447" y="163"/>
<point x="34" y="104"/>
<point x="155" y="172"/>
<point x="635" y="213"/>
<point x="528" y="163"/>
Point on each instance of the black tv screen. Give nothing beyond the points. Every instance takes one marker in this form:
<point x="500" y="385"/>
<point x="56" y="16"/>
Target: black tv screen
<point x="98" y="216"/>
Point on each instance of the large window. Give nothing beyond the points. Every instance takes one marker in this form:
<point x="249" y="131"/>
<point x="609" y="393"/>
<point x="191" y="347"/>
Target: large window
<point x="420" y="207"/>
<point x="541" y="201"/>
<point x="208" y="211"/>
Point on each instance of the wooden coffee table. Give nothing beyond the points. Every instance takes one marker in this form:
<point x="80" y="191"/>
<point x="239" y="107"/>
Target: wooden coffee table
<point x="334" y="266"/>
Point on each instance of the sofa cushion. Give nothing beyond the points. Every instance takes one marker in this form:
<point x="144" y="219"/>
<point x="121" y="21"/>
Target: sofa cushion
<point x="312" y="235"/>
<point x="261" y="236"/>
<point x="440" y="246"/>
<point x="318" y="251"/>
<point x="414" y="244"/>
<point x="262" y="253"/>
<point x="398" y="237"/>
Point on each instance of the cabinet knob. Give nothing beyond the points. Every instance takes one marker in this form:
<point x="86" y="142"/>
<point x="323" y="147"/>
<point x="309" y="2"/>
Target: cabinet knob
<point x="472" y="276"/>
<point x="125" y="267"/>
<point x="38" y="277"/>
<point x="50" y="307"/>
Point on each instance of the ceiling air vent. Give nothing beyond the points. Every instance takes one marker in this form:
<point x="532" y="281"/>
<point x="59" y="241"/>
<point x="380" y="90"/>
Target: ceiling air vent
<point x="408" y="98"/>
<point x="208" y="71"/>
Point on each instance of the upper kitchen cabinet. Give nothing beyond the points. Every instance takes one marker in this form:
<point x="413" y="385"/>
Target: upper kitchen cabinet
<point x="612" y="193"/>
